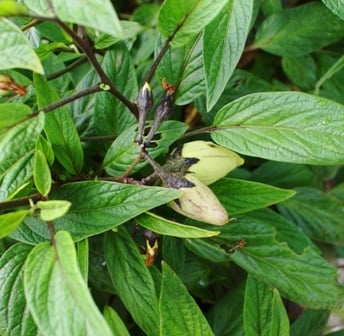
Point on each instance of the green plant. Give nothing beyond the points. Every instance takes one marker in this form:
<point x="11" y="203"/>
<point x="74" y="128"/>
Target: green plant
<point x="93" y="112"/>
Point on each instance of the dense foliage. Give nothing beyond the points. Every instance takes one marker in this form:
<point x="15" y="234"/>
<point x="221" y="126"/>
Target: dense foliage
<point x="97" y="99"/>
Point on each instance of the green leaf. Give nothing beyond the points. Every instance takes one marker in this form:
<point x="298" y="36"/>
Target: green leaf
<point x="282" y="34"/>
<point x="207" y="250"/>
<point x="179" y="313"/>
<point x="284" y="175"/>
<point x="12" y="8"/>
<point x="82" y="247"/>
<point x="16" y="50"/>
<point x="51" y="210"/>
<point x="59" y="128"/>
<point x="304" y="277"/>
<point x="57" y="296"/>
<point x="12" y="113"/>
<point x="226" y="314"/>
<point x="17" y="145"/>
<point x="97" y="14"/>
<point x="15" y="319"/>
<point x="264" y="312"/>
<point x="124" y="150"/>
<point x="41" y="8"/>
<point x="114" y="321"/>
<point x="189" y="17"/>
<point x="311" y="322"/>
<point x="183" y="67"/>
<point x="240" y="196"/>
<point x="319" y="215"/>
<point x="286" y="231"/>
<point x="111" y="117"/>
<point x="335" y="68"/>
<point x="280" y="319"/>
<point x="167" y="227"/>
<point x="41" y="173"/>
<point x="100" y="206"/>
<point x="301" y="71"/>
<point x="336" y="6"/>
<point x="223" y="42"/>
<point x="10" y="221"/>
<point x="283" y="126"/>
<point x="132" y="280"/>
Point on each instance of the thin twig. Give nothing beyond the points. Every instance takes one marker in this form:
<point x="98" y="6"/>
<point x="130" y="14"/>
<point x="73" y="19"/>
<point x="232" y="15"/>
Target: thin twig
<point x="103" y="138"/>
<point x="85" y="46"/>
<point x="67" y="100"/>
<point x="200" y="131"/>
<point x="20" y="201"/>
<point x="67" y="68"/>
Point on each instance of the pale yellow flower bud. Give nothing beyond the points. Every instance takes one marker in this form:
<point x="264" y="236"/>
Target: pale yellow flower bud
<point x="214" y="162"/>
<point x="200" y="203"/>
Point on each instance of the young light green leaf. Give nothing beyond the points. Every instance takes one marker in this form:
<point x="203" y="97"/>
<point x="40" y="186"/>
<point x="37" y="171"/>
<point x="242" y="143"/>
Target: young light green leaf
<point x="223" y="42"/>
<point x="319" y="215"/>
<point x="9" y="221"/>
<point x="304" y="277"/>
<point x="283" y="126"/>
<point x="41" y="173"/>
<point x="264" y="312"/>
<point x="116" y="324"/>
<point x="188" y="18"/>
<point x="59" y="128"/>
<point x="15" y="318"/>
<point x="124" y="151"/>
<point x="336" y="6"/>
<point x="183" y="67"/>
<point x="240" y="196"/>
<point x="282" y="34"/>
<point x="12" y="113"/>
<point x="12" y="8"/>
<point x="132" y="280"/>
<point x="179" y="313"/>
<point x="17" y="145"/>
<point x="16" y="50"/>
<point x="51" y="210"/>
<point x="167" y="227"/>
<point x="97" y="14"/>
<point x="42" y="7"/>
<point x="57" y="296"/>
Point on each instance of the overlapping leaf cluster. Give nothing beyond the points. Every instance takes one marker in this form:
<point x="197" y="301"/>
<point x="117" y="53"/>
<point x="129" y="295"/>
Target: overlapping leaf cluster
<point x="76" y="196"/>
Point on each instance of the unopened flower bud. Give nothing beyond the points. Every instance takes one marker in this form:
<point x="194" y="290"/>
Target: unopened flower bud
<point x="144" y="104"/>
<point x="200" y="203"/>
<point x="162" y="112"/>
<point x="214" y="161"/>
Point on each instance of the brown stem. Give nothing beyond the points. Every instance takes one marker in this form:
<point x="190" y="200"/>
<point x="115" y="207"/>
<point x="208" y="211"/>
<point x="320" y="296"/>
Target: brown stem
<point x="85" y="46"/>
<point x="67" y="68"/>
<point x="20" y="201"/>
<point x="200" y="131"/>
<point x="51" y="230"/>
<point x="163" y="52"/>
<point x="67" y="100"/>
<point x="104" y="138"/>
